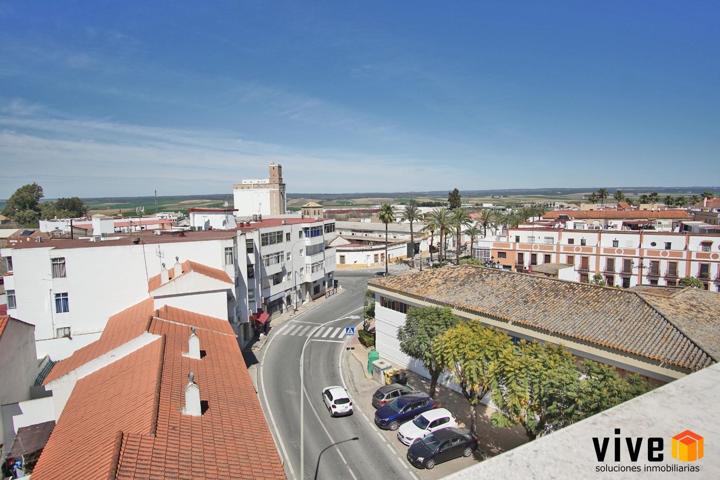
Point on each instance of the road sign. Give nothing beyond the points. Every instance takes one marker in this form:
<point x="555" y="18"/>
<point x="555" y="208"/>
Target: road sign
<point x="349" y="331"/>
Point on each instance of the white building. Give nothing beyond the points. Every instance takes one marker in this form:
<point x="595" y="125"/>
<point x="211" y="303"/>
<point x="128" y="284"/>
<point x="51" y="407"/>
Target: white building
<point x="212" y="218"/>
<point x="362" y="244"/>
<point x="103" y="224"/>
<point x="68" y="288"/>
<point x="261" y="196"/>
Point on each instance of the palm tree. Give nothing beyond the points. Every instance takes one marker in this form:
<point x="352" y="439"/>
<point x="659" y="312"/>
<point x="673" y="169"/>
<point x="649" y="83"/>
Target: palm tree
<point x="430" y="226"/>
<point x="474" y="232"/>
<point x="458" y="220"/>
<point x="441" y="219"/>
<point x="386" y="216"/>
<point x="669" y="200"/>
<point x="619" y="196"/>
<point x="412" y="214"/>
<point x="486" y="219"/>
<point x="592" y="198"/>
<point x="602" y="195"/>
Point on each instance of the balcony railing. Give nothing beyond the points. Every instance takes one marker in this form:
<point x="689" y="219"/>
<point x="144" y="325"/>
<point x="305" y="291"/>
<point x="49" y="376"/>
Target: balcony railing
<point x="654" y="273"/>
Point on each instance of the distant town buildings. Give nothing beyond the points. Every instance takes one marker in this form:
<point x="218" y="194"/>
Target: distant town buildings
<point x="261" y="197"/>
<point x="362" y="244"/>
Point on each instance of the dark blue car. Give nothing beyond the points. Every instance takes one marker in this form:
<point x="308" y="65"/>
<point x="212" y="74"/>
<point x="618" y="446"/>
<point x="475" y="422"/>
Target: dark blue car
<point x="402" y="409"/>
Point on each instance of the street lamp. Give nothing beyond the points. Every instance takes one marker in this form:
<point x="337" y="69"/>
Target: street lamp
<point x="317" y="466"/>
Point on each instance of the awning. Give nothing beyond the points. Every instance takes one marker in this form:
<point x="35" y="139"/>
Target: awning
<point x="31" y="439"/>
<point x="261" y="317"/>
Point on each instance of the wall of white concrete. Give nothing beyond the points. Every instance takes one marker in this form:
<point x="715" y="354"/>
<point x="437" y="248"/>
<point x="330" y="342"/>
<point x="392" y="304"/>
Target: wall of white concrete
<point x="251" y="201"/>
<point x="214" y="304"/>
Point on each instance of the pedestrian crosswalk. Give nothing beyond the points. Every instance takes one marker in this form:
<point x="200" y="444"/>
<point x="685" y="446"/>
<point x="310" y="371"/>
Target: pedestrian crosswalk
<point x="305" y="330"/>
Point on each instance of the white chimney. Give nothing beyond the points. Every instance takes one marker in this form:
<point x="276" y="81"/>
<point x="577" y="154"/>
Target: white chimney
<point x="192" y="398"/>
<point x="164" y="275"/>
<point x="193" y="345"/>
<point x="178" y="267"/>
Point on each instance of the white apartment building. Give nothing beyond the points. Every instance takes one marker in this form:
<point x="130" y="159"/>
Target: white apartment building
<point x="624" y="258"/>
<point x="110" y="224"/>
<point x="68" y="288"/>
<point x="261" y="196"/>
<point x="212" y="218"/>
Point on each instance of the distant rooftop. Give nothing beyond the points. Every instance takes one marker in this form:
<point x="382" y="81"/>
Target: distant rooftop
<point x="614" y="214"/>
<point x="680" y="332"/>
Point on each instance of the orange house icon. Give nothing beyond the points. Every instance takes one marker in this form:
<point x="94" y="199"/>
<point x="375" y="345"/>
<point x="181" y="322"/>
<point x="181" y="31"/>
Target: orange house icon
<point x="687" y="446"/>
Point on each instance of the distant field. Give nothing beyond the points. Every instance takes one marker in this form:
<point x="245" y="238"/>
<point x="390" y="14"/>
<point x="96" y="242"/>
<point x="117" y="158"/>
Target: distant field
<point x="128" y="205"/>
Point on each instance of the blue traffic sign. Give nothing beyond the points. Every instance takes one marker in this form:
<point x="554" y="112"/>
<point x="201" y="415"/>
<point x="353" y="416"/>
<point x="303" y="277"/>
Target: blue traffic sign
<point x="349" y="331"/>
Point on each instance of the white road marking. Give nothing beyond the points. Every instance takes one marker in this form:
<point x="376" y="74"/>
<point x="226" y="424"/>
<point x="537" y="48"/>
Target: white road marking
<point x="341" y="333"/>
<point x="327" y="332"/>
<point x="335" y="332"/>
<point x="303" y="330"/>
<point x="291" y="330"/>
<point x="322" y="340"/>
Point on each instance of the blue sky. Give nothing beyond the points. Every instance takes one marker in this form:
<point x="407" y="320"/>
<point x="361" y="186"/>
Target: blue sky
<point x="104" y="98"/>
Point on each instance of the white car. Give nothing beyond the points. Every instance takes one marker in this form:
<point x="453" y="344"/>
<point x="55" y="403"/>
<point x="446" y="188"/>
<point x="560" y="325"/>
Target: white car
<point x="337" y="401"/>
<point x="424" y="424"/>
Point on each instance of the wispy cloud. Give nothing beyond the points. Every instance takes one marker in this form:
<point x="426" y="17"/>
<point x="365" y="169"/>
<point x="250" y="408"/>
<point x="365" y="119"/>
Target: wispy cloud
<point x="95" y="157"/>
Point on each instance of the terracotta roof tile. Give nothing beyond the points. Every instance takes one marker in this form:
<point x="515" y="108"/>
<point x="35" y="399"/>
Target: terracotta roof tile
<point x="190" y="266"/>
<point x="3" y="323"/>
<point x="230" y="440"/>
<point x="616" y="319"/>
<point x="121" y="328"/>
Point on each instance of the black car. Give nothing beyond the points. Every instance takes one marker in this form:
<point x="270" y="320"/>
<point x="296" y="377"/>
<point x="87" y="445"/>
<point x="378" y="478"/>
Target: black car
<point x="388" y="393"/>
<point x="441" y="446"/>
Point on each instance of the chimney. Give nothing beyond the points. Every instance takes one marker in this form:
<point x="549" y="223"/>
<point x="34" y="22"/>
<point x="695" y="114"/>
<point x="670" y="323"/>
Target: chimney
<point x="178" y="267"/>
<point x="192" y="398"/>
<point x="193" y="345"/>
<point x="164" y="275"/>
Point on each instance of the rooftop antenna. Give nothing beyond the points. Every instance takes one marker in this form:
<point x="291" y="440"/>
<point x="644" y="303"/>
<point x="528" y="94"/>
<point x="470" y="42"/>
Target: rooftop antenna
<point x="156" y="202"/>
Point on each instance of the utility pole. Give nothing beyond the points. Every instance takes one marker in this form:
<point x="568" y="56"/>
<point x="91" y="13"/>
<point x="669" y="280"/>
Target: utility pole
<point x="156" y="203"/>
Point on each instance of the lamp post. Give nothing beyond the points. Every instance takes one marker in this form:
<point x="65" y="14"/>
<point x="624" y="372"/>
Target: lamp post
<point x="317" y="466"/>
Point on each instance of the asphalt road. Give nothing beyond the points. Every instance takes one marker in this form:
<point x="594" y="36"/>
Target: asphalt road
<point x="317" y="336"/>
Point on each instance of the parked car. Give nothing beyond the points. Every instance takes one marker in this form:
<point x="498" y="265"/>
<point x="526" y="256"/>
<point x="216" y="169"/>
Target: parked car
<point x="388" y="393"/>
<point x="337" y="401"/>
<point x="425" y="424"/>
<point x="441" y="446"/>
<point x="403" y="409"/>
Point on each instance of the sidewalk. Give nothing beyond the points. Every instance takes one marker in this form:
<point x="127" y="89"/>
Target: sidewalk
<point x="491" y="440"/>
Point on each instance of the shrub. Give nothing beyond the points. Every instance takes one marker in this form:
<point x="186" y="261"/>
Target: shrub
<point x="367" y="339"/>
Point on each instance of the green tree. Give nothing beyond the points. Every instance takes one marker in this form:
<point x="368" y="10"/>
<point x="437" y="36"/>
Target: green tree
<point x="601" y="387"/>
<point x="454" y="199"/>
<point x="471" y="352"/>
<point x="412" y="214"/>
<point x="459" y="219"/>
<point x="387" y="216"/>
<point x="71" y="207"/>
<point x="422" y="327"/>
<point x="707" y="194"/>
<point x="619" y="196"/>
<point x="602" y="195"/>
<point x="653" y="197"/>
<point x="643" y="199"/>
<point x="694" y="199"/>
<point x="432" y="227"/>
<point x="669" y="200"/>
<point x="486" y="219"/>
<point x="441" y="219"/>
<point x="592" y="198"/>
<point x="536" y="388"/>
<point x="473" y="231"/>
<point x="691" y="282"/>
<point x="681" y="201"/>
<point x="23" y="206"/>
<point x="598" y="279"/>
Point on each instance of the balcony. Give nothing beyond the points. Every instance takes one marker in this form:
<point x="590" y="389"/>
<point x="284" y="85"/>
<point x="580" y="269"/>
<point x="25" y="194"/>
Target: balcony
<point x="584" y="268"/>
<point x="653" y="274"/>
<point x="626" y="273"/>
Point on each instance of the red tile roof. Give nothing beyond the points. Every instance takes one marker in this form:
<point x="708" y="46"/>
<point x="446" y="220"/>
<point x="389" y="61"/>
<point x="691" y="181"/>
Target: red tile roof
<point x="121" y="328"/>
<point x="125" y="421"/>
<point x="675" y="214"/>
<point x="190" y="266"/>
<point x="3" y="323"/>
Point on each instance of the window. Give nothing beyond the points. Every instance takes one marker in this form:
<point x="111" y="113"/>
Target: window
<point x="704" y="271"/>
<point x="583" y="242"/>
<point x="672" y="269"/>
<point x="668" y="245"/>
<point x="502" y="255"/>
<point x="62" y="332"/>
<point x="342" y="259"/>
<point x="249" y="246"/>
<point x="229" y="256"/>
<point x="316" y="267"/>
<point x="273" y="259"/>
<point x="393" y="305"/>
<point x="705" y="246"/>
<point x="314" y="249"/>
<point x="517" y="238"/>
<point x="8" y="264"/>
<point x="616" y="243"/>
<point x="570" y="260"/>
<point x="11" y="302"/>
<point x="533" y="259"/>
<point x="376" y="258"/>
<point x="626" y="282"/>
<point x="654" y="267"/>
<point x="329" y="227"/>
<point x="610" y="280"/>
<point x="610" y="265"/>
<point x="520" y="258"/>
<point x="251" y="271"/>
<point x="653" y="244"/>
<point x="300" y="234"/>
<point x="548" y="240"/>
<point x="584" y="263"/>
<point x="287" y="236"/>
<point x="627" y="267"/>
<point x="271" y="238"/>
<point x="62" y="305"/>
<point x="288" y="256"/>
<point x="584" y="278"/>
<point x="58" y="267"/>
<point x="571" y="241"/>
<point x="311" y="232"/>
<point x="547" y="259"/>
